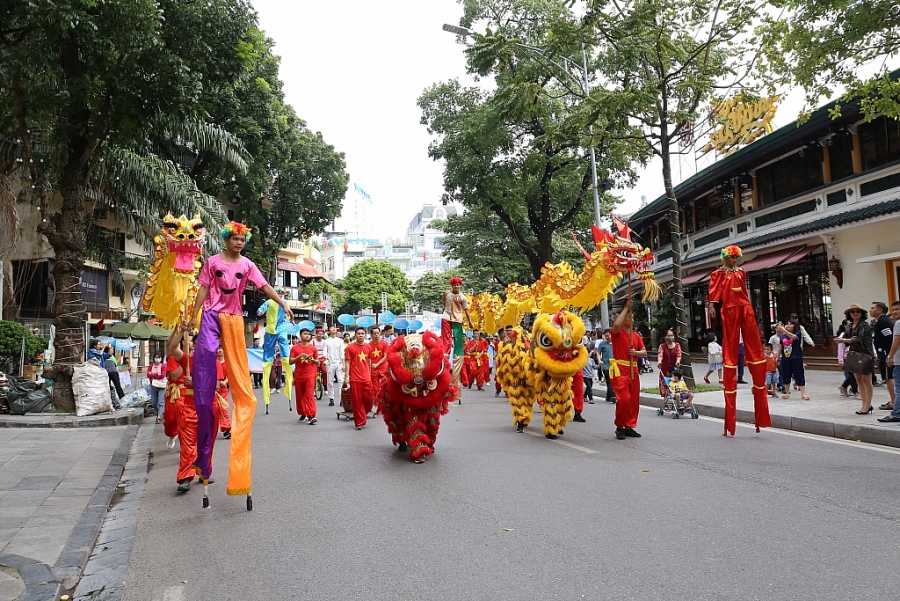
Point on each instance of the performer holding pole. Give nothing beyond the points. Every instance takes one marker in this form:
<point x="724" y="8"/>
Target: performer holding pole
<point x="626" y="381"/>
<point x="222" y="282"/>
<point x="728" y="287"/>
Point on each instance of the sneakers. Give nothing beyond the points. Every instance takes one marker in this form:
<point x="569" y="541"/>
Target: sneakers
<point x="551" y="436"/>
<point x="226" y="434"/>
<point x="623" y="433"/>
<point x="184" y="485"/>
<point x="419" y="460"/>
<point x="360" y="427"/>
<point x="578" y="418"/>
<point x="312" y="421"/>
<point x="520" y="428"/>
<point x="481" y="390"/>
<point x="331" y="403"/>
<point x="403" y="447"/>
<point x="742" y="381"/>
<point x="620" y="433"/>
<point x="590" y="401"/>
<point x="170" y="443"/>
<point x="302" y="418"/>
<point x="497" y="393"/>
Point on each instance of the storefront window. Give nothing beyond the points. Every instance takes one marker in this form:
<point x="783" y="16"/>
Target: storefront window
<point x="880" y="142"/>
<point x="841" y="157"/>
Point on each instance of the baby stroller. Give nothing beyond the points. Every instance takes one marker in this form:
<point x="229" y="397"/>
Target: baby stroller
<point x="670" y="403"/>
<point x="644" y="366"/>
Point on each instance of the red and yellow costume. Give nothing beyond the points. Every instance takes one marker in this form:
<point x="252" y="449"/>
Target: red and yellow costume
<point x="307" y="363"/>
<point x="728" y="288"/>
<point x="625" y="376"/>
<point x="377" y="352"/>
<point x="221" y="405"/>
<point x="360" y="378"/>
<point x="476" y="368"/>
<point x="420" y="389"/>
<point x="578" y="392"/>
<point x="181" y="397"/>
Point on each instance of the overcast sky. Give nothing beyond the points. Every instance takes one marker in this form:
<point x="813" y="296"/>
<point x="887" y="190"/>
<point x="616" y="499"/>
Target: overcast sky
<point x="353" y="69"/>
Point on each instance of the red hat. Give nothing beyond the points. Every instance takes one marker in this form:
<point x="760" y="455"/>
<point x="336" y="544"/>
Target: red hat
<point x="456" y="280"/>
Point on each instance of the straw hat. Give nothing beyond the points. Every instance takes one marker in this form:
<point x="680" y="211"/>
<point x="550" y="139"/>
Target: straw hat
<point x="854" y="307"/>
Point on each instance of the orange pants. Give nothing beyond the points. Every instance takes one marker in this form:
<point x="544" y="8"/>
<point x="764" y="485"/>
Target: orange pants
<point x="187" y="437"/>
<point x="737" y="321"/>
<point x="361" y="393"/>
<point x="305" y="389"/>
<point x="628" y="395"/>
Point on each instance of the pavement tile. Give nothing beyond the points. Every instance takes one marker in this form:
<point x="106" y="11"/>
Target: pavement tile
<point x="110" y="578"/>
<point x="38" y="483"/>
<point x="10" y="586"/>
<point x="114" y="546"/>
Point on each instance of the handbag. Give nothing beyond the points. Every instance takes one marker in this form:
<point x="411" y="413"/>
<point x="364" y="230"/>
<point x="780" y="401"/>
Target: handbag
<point x="861" y="364"/>
<point x="157" y="383"/>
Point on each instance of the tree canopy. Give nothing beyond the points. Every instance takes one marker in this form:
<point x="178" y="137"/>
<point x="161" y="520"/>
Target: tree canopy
<point x="365" y="282"/>
<point x="11" y="335"/>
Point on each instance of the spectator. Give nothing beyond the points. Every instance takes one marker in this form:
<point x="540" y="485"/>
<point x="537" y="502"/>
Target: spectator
<point x="859" y="338"/>
<point x="605" y="350"/>
<point x="668" y="355"/>
<point x="805" y="338"/>
<point x="849" y="383"/>
<point x="771" y="369"/>
<point x="883" y="336"/>
<point x="589" y="372"/>
<point x="683" y="396"/>
<point x="714" y="357"/>
<point x="893" y="362"/>
<point x="108" y="362"/>
<point x="775" y="341"/>
<point x="792" y="360"/>
<point x="156" y="373"/>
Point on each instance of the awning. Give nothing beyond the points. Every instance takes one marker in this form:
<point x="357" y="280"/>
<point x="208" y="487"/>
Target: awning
<point x="697" y="276"/>
<point x="800" y="254"/>
<point x="306" y="271"/>
<point x="772" y="259"/>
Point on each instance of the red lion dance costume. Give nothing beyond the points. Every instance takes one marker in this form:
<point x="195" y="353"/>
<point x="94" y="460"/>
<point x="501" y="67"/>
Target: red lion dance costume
<point x="728" y="287"/>
<point x="419" y="393"/>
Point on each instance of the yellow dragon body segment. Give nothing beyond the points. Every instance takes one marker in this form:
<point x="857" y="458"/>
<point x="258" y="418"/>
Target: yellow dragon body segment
<point x="512" y="373"/>
<point x="172" y="286"/>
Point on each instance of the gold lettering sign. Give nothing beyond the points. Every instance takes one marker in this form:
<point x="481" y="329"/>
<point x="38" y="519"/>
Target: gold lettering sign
<point x="740" y="123"/>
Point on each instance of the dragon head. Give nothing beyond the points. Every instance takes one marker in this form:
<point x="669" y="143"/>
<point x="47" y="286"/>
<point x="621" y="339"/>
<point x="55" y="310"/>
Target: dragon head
<point x="185" y="238"/>
<point x="557" y="344"/>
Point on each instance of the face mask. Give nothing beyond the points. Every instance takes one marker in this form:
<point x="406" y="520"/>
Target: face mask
<point x="670" y="339"/>
<point x="157" y="359"/>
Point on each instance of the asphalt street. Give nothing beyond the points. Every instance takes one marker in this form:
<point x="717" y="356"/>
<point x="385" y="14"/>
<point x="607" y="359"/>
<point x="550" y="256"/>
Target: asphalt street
<point x="682" y="513"/>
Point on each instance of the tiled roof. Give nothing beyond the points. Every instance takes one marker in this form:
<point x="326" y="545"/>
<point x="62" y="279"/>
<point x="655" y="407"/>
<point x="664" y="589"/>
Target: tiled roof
<point x="860" y="214"/>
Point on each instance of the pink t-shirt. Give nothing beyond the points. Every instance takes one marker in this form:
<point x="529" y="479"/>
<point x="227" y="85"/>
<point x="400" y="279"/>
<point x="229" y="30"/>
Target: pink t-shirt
<point x="226" y="282"/>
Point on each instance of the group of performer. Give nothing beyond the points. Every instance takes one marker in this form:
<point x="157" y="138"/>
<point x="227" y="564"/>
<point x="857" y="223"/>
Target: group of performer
<point x="412" y="380"/>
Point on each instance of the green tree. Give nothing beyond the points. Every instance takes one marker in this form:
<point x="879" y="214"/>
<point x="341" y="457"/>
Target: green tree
<point x="428" y="289"/>
<point x="85" y="85"/>
<point x="11" y="335"/>
<point x="365" y="282"/>
<point x="521" y="150"/>
<point x="821" y="45"/>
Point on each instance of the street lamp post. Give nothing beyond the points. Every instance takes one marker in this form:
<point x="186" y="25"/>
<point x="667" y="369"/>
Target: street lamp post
<point x="604" y="305"/>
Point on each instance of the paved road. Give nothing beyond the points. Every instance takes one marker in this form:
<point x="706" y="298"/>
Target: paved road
<point x="682" y="513"/>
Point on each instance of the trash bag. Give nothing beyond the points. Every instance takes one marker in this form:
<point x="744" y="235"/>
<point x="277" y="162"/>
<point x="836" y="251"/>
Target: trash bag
<point x="90" y="384"/>
<point x="25" y="396"/>
<point x="138" y="398"/>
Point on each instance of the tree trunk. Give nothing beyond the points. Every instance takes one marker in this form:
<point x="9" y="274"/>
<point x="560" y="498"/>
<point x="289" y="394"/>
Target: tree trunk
<point x="682" y="327"/>
<point x="66" y="235"/>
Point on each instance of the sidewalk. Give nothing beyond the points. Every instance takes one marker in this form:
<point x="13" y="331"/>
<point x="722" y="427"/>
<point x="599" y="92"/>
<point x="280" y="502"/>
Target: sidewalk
<point x="56" y="486"/>
<point x="827" y="413"/>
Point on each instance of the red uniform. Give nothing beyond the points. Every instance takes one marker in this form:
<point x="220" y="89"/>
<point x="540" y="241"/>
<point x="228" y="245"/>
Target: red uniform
<point x="173" y="398"/>
<point x="305" y="378"/>
<point x="221" y="404"/>
<point x="729" y="289"/>
<point x="360" y="378"/>
<point x="379" y="374"/>
<point x="496" y="344"/>
<point x="578" y="391"/>
<point x="626" y="379"/>
<point x="185" y="414"/>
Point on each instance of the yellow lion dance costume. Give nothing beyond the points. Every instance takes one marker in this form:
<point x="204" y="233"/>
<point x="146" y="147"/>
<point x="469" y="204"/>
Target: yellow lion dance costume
<point x="173" y="286"/>
<point x="512" y="374"/>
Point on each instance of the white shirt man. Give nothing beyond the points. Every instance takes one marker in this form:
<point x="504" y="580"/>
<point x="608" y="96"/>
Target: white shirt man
<point x="333" y="351"/>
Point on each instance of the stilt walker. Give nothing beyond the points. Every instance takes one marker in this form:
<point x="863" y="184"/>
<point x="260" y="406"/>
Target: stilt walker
<point x="452" y="336"/>
<point x="277" y="326"/>
<point x="222" y="280"/>
<point x="728" y="288"/>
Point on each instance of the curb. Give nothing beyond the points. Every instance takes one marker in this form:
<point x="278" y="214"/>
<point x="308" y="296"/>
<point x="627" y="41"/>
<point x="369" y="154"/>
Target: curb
<point x="123" y="417"/>
<point x="819" y="427"/>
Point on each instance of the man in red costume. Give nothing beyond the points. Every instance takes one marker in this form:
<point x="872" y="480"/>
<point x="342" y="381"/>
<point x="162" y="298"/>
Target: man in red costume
<point x="378" y="348"/>
<point x="306" y="358"/>
<point x="186" y="410"/>
<point x="476" y="366"/>
<point x="359" y="377"/>
<point x="728" y="288"/>
<point x="578" y="396"/>
<point x="623" y="371"/>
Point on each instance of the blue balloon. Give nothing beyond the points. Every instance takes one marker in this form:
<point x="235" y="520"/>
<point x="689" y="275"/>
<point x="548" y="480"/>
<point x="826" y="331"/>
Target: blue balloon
<point x="292" y="330"/>
<point x="415" y="324"/>
<point x="437" y="323"/>
<point x="306" y="325"/>
<point x="386" y="317"/>
<point x="401" y="324"/>
<point x="365" y="321"/>
<point x="345" y="319"/>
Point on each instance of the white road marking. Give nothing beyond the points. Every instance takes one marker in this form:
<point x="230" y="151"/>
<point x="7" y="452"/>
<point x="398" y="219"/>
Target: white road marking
<point x="828" y="439"/>
<point x="174" y="593"/>
<point x="564" y="443"/>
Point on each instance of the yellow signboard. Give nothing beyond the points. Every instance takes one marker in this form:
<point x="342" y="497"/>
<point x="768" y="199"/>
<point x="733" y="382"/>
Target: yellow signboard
<point x="740" y="123"/>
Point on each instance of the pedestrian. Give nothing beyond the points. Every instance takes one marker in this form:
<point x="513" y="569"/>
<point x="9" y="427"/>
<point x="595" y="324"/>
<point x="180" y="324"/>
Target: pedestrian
<point x="805" y="339"/>
<point x="849" y="384"/>
<point x="378" y="359"/>
<point x="668" y="355"/>
<point x="319" y="343"/>
<point x="626" y="379"/>
<point x="589" y="373"/>
<point x="859" y="338"/>
<point x="792" y="361"/>
<point x="181" y="364"/>
<point x="346" y="339"/>
<point x="714" y="358"/>
<point x="728" y="287"/>
<point x="257" y="375"/>
<point x="221" y="404"/>
<point x="223" y="279"/>
<point x="387" y="334"/>
<point x="882" y="338"/>
<point x="771" y="370"/>
<point x="455" y="306"/>
<point x="112" y="371"/>
<point x="305" y="356"/>
<point x="358" y="377"/>
<point x="156" y="373"/>
<point x="775" y="341"/>
<point x="605" y="350"/>
<point x="334" y="356"/>
<point x="893" y="362"/>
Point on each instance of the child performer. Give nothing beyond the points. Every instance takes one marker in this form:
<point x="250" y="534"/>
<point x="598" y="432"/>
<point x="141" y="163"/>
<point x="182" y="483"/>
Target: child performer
<point x="277" y="326"/>
<point x="222" y="281"/>
<point x="306" y="357"/>
<point x="728" y="287"/>
<point x="626" y="380"/>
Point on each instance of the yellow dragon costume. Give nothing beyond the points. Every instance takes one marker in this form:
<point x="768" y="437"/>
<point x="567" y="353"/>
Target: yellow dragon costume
<point x="172" y="286"/>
